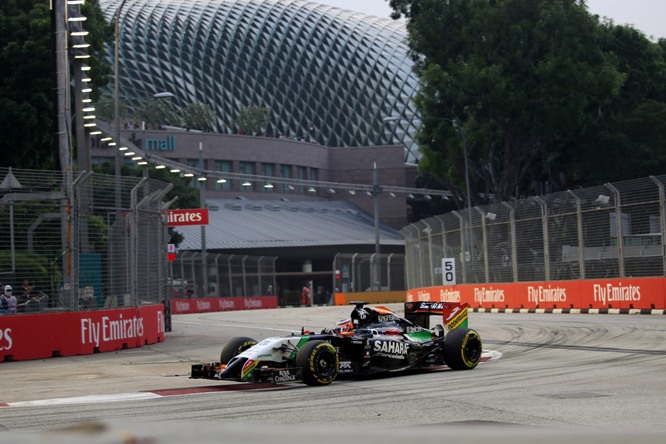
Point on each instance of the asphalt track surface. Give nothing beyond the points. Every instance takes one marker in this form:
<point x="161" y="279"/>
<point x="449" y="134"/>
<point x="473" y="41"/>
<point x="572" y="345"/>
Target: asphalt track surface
<point x="576" y="378"/>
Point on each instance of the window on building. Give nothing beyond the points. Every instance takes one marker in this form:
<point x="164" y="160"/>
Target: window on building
<point x="301" y="173"/>
<point x="268" y="169"/>
<point x="285" y="173"/>
<point x="224" y="166"/>
<point x="246" y="168"/>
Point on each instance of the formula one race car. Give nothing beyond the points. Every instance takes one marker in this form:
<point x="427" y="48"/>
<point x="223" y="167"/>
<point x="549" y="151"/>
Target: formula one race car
<point x="374" y="340"/>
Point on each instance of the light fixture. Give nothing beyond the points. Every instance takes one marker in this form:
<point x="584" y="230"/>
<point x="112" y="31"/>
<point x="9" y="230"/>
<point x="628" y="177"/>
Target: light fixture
<point x="89" y="116"/>
<point x="86" y="90"/>
<point x="143" y="162"/>
<point x="88" y="109"/>
<point x="86" y="79"/>
<point x="175" y="170"/>
<point x="311" y="190"/>
<point x="352" y="192"/>
<point x="82" y="56"/>
<point x="87" y="100"/>
<point x="410" y="196"/>
<point x="491" y="216"/>
<point x="77" y="18"/>
<point x="79" y="33"/>
<point x="75" y="2"/>
<point x="427" y="196"/>
<point x="83" y="45"/>
<point x="392" y="194"/>
<point x="95" y="133"/>
<point x="106" y="139"/>
<point x="202" y="179"/>
<point x="122" y="148"/>
<point x="85" y="68"/>
<point x="89" y="125"/>
<point x="268" y="186"/>
<point x="130" y="153"/>
<point x="188" y="175"/>
<point x="290" y="188"/>
<point x="221" y="180"/>
<point x="247" y="184"/>
<point x="136" y="158"/>
<point x="331" y="190"/>
<point x="160" y="167"/>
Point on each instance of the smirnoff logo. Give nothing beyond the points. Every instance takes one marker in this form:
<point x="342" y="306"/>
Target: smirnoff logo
<point x="194" y="216"/>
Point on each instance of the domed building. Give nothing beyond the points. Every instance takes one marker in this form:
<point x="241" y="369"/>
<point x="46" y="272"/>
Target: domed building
<point x="338" y="87"/>
<point x="324" y="74"/>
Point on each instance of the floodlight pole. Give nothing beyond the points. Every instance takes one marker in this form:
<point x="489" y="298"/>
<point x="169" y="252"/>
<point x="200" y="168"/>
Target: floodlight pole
<point x="376" y="191"/>
<point x="116" y="103"/>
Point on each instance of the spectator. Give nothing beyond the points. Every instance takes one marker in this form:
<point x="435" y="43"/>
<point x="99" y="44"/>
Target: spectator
<point x="269" y="291"/>
<point x="10" y="300"/>
<point x="305" y="295"/>
<point x="27" y="298"/>
<point x="4" y="299"/>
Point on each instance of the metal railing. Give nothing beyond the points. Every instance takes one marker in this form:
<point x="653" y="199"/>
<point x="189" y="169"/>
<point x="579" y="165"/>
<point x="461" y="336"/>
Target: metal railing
<point x="569" y="235"/>
<point x="356" y="272"/>
<point x="228" y="275"/>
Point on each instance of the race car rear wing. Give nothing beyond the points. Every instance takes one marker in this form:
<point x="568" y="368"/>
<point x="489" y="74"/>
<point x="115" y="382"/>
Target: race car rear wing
<point x="454" y="314"/>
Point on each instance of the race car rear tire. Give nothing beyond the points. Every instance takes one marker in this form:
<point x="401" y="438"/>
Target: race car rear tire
<point x="320" y="362"/>
<point x="234" y="347"/>
<point x="462" y="349"/>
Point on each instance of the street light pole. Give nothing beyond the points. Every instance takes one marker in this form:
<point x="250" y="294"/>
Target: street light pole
<point x="376" y="191"/>
<point x="116" y="102"/>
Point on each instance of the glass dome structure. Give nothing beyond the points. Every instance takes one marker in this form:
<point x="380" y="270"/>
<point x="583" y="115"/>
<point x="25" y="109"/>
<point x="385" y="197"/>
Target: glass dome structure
<point x="340" y="78"/>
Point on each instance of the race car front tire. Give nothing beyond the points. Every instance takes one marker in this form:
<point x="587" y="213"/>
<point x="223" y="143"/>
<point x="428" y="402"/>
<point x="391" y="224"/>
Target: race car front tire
<point x="320" y="362"/>
<point x="462" y="349"/>
<point x="234" y="347"/>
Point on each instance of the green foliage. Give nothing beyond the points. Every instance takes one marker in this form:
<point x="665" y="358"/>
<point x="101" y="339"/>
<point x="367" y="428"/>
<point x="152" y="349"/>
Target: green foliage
<point x="36" y="268"/>
<point x="533" y="85"/>
<point x="156" y="112"/>
<point x="26" y="80"/>
<point x="252" y="120"/>
<point x="199" y="116"/>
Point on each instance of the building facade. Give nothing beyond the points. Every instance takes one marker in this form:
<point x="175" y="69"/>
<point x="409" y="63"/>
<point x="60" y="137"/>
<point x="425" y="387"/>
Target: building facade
<point x="324" y="74"/>
<point x="271" y="157"/>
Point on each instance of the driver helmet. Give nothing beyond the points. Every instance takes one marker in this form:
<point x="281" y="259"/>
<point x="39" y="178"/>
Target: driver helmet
<point x="363" y="316"/>
<point x="344" y="325"/>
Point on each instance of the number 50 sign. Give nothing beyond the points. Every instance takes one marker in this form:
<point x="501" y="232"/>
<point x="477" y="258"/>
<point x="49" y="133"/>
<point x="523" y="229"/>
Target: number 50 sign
<point x="449" y="271"/>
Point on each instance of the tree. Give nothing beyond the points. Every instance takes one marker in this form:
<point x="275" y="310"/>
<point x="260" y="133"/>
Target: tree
<point x="199" y="116"/>
<point x="522" y="79"/>
<point x="156" y="112"/>
<point x="630" y="139"/>
<point x="26" y="79"/>
<point x="252" y="120"/>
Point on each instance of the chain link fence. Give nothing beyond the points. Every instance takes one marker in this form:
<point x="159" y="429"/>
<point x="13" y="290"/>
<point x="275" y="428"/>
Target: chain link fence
<point x="611" y="231"/>
<point x="79" y="242"/>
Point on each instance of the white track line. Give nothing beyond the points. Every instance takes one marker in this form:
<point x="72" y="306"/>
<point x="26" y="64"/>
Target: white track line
<point x="90" y="399"/>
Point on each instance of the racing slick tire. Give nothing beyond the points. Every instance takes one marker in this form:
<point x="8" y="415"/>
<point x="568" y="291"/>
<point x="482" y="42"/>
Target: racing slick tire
<point x="234" y="347"/>
<point x="462" y="349"/>
<point x="320" y="362"/>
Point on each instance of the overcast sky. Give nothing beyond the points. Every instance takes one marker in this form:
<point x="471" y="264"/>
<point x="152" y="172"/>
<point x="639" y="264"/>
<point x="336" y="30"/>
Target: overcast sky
<point x="648" y="16"/>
